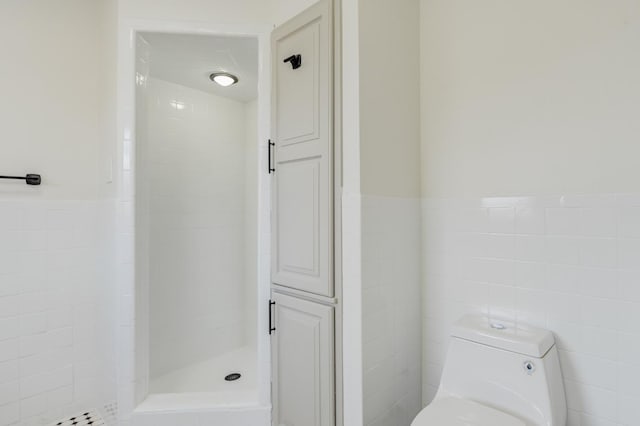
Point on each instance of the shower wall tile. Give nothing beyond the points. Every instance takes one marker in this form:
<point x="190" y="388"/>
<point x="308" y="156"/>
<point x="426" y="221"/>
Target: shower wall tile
<point x="191" y="213"/>
<point x="391" y="310"/>
<point x="56" y="309"/>
<point x="574" y="269"/>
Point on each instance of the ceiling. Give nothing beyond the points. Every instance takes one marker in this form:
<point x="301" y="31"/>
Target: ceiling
<point x="190" y="59"/>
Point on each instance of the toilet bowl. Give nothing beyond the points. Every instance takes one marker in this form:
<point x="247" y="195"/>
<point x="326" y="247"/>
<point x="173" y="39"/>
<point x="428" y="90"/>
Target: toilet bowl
<point x="450" y="411"/>
<point x="496" y="374"/>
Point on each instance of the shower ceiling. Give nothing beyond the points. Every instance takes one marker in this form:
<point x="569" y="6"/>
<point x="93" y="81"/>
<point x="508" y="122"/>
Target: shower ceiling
<point x="190" y="59"/>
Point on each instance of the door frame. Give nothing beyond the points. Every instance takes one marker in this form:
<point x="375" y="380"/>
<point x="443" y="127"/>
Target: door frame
<point x="336" y="10"/>
<point x="132" y="385"/>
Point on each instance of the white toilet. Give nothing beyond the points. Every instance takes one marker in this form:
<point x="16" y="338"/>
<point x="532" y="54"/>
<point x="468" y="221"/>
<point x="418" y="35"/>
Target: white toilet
<point x="498" y="375"/>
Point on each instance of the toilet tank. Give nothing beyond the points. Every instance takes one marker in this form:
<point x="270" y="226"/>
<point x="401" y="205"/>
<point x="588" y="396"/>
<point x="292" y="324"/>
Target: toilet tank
<point x="513" y="369"/>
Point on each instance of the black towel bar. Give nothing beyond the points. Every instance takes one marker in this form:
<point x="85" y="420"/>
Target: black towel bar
<point x="31" y="179"/>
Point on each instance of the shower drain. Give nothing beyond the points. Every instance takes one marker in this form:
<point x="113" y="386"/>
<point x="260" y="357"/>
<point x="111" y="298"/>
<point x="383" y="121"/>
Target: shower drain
<point x="232" y="377"/>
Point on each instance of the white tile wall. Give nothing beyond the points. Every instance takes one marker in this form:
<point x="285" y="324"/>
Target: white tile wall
<point x="56" y="309"/>
<point x="195" y="180"/>
<point x="351" y="246"/>
<point x="134" y="230"/>
<point x="133" y="338"/>
<point x="131" y="353"/>
<point x="571" y="264"/>
<point x="391" y="310"/>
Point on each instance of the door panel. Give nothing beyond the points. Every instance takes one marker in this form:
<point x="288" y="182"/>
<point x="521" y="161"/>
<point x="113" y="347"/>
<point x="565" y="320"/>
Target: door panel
<point x="302" y="203"/>
<point x="298" y="89"/>
<point x="298" y="220"/>
<point x="302" y="345"/>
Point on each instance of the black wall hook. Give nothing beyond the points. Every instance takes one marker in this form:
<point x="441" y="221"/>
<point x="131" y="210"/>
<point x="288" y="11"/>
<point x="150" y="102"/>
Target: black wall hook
<point x="296" y="61"/>
<point x="30" y="179"/>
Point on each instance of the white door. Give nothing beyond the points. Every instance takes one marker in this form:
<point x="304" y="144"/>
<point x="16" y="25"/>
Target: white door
<point x="302" y="355"/>
<point x="302" y="130"/>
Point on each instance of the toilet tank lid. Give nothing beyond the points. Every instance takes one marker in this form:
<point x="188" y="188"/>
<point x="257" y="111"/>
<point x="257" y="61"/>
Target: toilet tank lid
<point x="522" y="339"/>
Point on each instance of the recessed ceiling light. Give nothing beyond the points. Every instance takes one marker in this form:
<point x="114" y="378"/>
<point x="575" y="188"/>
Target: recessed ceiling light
<point x="224" y="79"/>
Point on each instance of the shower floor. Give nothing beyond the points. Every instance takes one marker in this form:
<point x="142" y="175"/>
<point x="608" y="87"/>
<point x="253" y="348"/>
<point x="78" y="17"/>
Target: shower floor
<point x="202" y="385"/>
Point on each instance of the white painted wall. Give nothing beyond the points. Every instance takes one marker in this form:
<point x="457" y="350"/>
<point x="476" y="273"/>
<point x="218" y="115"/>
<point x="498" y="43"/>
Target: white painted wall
<point x="536" y="103"/>
<point x="283" y="10"/>
<point x="58" y="82"/>
<point x="530" y="98"/>
<point x="197" y="168"/>
<point x="244" y="12"/>
<point x="389" y="98"/>
<point x="57" y="304"/>
<point x="216" y="11"/>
